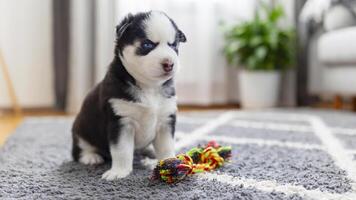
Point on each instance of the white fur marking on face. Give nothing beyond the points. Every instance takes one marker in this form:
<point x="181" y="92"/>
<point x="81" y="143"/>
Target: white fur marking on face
<point x="147" y="69"/>
<point x="159" y="28"/>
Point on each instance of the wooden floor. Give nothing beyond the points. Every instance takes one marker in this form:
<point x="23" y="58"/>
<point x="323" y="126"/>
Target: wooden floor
<point x="9" y="122"/>
<point x="7" y="126"/>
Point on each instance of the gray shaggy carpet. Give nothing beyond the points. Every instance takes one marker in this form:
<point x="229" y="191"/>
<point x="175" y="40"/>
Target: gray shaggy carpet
<point x="277" y="154"/>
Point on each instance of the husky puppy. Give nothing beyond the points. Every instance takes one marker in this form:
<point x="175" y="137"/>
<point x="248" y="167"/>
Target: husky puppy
<point x="135" y="104"/>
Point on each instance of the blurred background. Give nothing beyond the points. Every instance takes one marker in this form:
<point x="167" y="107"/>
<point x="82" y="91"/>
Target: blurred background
<point x="246" y="54"/>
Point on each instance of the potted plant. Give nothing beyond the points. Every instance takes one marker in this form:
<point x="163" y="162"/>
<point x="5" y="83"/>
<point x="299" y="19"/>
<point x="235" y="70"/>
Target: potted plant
<point x="263" y="49"/>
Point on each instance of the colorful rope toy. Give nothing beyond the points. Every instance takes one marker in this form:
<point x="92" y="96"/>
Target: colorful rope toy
<point x="196" y="160"/>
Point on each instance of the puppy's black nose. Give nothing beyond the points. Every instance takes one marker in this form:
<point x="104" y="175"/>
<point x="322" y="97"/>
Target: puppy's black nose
<point x="167" y="66"/>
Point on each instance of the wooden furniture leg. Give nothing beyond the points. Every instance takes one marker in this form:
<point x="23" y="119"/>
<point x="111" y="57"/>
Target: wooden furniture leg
<point x="15" y="105"/>
<point x="337" y="104"/>
<point x="353" y="104"/>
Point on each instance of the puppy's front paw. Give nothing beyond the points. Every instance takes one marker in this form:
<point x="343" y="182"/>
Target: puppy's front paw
<point x="113" y="174"/>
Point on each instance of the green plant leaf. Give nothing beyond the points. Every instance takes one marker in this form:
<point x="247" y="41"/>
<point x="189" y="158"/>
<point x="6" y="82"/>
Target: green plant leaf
<point x="260" y="44"/>
<point x="261" y="52"/>
<point x="256" y="40"/>
<point x="276" y="13"/>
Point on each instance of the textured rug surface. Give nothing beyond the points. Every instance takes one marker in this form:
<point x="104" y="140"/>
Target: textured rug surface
<point x="277" y="154"/>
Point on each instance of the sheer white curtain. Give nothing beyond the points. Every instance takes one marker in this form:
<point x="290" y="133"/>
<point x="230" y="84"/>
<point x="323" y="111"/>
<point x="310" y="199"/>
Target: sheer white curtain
<point x="81" y="52"/>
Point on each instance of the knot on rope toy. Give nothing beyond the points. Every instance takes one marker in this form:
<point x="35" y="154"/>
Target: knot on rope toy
<point x="198" y="159"/>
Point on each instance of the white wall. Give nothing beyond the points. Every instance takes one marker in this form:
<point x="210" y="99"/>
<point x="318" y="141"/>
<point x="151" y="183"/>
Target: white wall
<point x="26" y="43"/>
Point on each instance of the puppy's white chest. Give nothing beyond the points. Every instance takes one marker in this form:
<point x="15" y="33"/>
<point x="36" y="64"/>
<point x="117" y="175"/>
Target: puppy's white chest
<point x="146" y="116"/>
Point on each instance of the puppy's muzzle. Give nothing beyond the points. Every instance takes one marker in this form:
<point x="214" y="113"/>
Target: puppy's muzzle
<point x="167" y="66"/>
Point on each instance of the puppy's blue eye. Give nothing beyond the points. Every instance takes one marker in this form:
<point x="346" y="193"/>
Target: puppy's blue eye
<point x="147" y="44"/>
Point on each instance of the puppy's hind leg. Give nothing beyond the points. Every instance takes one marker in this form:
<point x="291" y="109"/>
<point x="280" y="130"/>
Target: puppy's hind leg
<point x="85" y="153"/>
<point x="75" y="149"/>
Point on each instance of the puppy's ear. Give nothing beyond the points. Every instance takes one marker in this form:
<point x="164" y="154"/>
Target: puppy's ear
<point x="123" y="26"/>
<point x="181" y="36"/>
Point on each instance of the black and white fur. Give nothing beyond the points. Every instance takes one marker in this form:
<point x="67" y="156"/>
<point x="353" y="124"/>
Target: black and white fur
<point x="135" y="104"/>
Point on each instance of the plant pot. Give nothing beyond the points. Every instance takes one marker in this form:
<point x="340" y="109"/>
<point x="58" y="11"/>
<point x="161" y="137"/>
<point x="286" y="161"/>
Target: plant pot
<point x="259" y="89"/>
